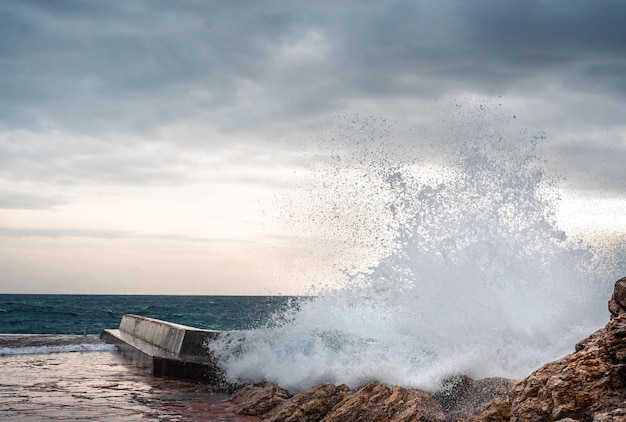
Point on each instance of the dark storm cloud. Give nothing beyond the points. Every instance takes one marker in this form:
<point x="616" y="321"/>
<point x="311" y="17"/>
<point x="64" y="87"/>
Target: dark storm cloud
<point x="121" y="66"/>
<point x="118" y="66"/>
<point x="485" y="45"/>
<point x="101" y="68"/>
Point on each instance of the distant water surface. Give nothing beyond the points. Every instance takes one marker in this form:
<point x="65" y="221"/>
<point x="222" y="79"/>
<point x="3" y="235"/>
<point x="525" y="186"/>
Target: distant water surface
<point x="76" y="314"/>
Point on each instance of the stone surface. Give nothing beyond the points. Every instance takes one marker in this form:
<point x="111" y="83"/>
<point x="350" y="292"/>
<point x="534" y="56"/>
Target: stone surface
<point x="309" y="405"/>
<point x="464" y="397"/>
<point x="616" y="415"/>
<point x="377" y="402"/>
<point x="330" y="403"/>
<point x="617" y="303"/>
<point x="587" y="385"/>
<point x="257" y="399"/>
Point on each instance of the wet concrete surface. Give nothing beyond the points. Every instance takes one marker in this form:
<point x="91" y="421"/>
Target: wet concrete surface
<point x="101" y="386"/>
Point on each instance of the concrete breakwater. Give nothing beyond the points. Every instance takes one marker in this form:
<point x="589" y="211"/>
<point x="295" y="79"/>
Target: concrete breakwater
<point x="166" y="349"/>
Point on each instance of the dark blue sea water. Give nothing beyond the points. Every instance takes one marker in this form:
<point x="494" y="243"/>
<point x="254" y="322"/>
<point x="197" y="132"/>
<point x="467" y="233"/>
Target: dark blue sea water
<point x="75" y="314"/>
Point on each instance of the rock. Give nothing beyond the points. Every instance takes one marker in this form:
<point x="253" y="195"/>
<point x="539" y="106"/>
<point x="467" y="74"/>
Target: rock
<point x="257" y="399"/>
<point x="329" y="403"/>
<point x="617" y="304"/>
<point x="309" y="405"/>
<point x="377" y="402"/>
<point x="616" y="415"/>
<point x="587" y="385"/>
<point x="464" y="397"/>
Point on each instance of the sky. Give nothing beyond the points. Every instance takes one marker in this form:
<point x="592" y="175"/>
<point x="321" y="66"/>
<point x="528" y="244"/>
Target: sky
<point x="159" y="147"/>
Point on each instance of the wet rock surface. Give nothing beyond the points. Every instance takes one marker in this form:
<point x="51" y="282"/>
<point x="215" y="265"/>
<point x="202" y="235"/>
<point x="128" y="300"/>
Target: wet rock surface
<point x="587" y="385"/>
<point x="462" y="397"/>
<point x="327" y="402"/>
<point x="617" y="303"/>
<point x="257" y="399"/>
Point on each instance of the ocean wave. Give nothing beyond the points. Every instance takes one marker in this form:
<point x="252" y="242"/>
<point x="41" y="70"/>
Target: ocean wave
<point x="481" y="280"/>
<point x="28" y="344"/>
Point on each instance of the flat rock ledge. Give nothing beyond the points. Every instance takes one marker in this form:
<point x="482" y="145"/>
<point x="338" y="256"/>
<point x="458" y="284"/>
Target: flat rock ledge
<point x="588" y="385"/>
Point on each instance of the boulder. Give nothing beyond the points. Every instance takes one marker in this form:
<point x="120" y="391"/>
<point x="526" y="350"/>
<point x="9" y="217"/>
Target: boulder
<point x="460" y="397"/>
<point x="257" y="399"/>
<point x="330" y="403"/>
<point x="464" y="397"/>
<point x="587" y="385"/>
<point x="311" y="405"/>
<point x="378" y="402"/>
<point x="617" y="304"/>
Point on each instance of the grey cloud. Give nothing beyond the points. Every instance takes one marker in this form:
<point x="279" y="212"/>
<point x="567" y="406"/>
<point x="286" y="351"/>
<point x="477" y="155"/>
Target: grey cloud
<point x="22" y="200"/>
<point x="564" y="30"/>
<point x="126" y="67"/>
<point x="131" y="67"/>
<point x="122" y="66"/>
<point x="492" y="45"/>
<point x="184" y="238"/>
<point x="608" y="77"/>
<point x="63" y="162"/>
<point x="69" y="161"/>
<point x="592" y="166"/>
<point x="73" y="232"/>
<point x="57" y="233"/>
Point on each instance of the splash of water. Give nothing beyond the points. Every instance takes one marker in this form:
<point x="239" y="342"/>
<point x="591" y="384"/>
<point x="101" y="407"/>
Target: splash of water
<point x="480" y="281"/>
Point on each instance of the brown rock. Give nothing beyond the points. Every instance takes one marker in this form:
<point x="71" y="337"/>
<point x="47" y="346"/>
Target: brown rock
<point x="499" y="410"/>
<point x="617" y="304"/>
<point x="594" y="338"/>
<point x="616" y="415"/>
<point x="587" y="385"/>
<point x="464" y="397"/>
<point x="377" y="402"/>
<point x="329" y="403"/>
<point x="309" y="405"/>
<point x="257" y="399"/>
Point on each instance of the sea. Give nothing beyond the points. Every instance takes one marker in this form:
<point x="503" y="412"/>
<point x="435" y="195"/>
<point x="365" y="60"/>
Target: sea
<point x="90" y="314"/>
<point x="53" y="365"/>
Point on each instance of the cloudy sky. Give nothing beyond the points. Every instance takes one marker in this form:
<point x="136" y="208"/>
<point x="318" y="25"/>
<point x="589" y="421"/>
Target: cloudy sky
<point x="169" y="147"/>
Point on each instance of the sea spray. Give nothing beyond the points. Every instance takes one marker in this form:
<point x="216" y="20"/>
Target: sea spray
<point x="478" y="280"/>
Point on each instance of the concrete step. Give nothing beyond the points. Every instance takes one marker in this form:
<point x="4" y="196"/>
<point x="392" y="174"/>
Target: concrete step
<point x="166" y="349"/>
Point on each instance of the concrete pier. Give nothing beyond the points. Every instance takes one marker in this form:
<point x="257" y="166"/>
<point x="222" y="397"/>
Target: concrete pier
<point x="166" y="349"/>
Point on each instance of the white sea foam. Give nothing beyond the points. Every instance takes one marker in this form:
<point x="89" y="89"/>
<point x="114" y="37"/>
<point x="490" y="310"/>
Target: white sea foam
<point x="481" y="282"/>
<point x="5" y="351"/>
<point x="28" y="344"/>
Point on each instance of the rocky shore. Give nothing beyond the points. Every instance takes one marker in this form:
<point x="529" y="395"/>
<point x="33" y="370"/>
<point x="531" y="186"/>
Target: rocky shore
<point x="588" y="385"/>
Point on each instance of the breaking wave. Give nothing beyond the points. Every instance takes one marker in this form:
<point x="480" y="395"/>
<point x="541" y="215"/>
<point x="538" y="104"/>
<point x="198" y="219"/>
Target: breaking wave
<point x="480" y="280"/>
